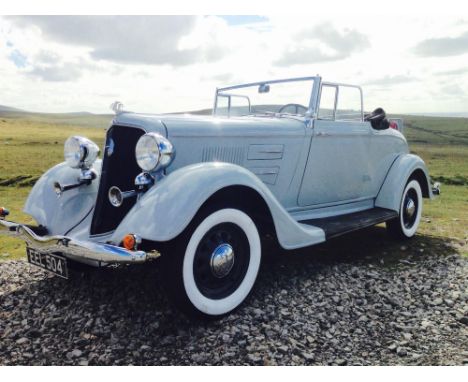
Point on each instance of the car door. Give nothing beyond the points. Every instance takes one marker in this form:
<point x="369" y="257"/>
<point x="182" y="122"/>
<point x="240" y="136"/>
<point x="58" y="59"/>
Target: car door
<point x="337" y="169"/>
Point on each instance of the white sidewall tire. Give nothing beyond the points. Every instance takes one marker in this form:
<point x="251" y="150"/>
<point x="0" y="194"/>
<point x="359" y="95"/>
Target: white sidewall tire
<point x="225" y="305"/>
<point x="409" y="232"/>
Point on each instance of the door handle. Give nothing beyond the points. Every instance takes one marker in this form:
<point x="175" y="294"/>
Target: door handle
<point x="323" y="134"/>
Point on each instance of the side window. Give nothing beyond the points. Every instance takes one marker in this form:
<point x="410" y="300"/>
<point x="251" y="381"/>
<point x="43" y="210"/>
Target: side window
<point x="232" y="105"/>
<point x="327" y="102"/>
<point x="348" y="107"/>
<point x="222" y="105"/>
<point x="239" y="105"/>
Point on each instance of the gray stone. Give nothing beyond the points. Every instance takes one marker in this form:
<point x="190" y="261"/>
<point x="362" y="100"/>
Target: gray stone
<point x="76" y="353"/>
<point x="283" y="349"/>
<point x="255" y="358"/>
<point x="313" y="321"/>
<point x="308" y="356"/>
<point x="22" y="341"/>
<point x="226" y="338"/>
<point x="464" y="320"/>
<point x="407" y="336"/>
<point x="258" y="312"/>
<point x="401" y="352"/>
<point x="199" y="358"/>
<point x="437" y="301"/>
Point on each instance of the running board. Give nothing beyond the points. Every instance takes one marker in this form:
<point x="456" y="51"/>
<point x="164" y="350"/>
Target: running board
<point x="339" y="225"/>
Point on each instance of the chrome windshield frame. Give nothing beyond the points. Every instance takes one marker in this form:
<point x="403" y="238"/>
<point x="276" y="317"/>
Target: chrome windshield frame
<point x="313" y="101"/>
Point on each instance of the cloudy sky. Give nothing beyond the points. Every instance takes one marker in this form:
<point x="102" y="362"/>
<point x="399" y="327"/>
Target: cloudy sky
<point x="405" y="64"/>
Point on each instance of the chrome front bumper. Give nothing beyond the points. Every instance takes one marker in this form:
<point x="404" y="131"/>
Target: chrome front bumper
<point x="81" y="251"/>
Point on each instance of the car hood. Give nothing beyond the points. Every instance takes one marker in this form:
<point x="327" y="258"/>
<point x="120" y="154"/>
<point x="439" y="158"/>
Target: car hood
<point x="189" y="125"/>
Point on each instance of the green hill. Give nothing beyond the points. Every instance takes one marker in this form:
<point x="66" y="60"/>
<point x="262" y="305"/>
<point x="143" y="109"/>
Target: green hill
<point x="435" y="130"/>
<point x="30" y="143"/>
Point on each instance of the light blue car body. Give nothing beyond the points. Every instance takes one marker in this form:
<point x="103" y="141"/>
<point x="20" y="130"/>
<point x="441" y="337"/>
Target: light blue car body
<point x="303" y="167"/>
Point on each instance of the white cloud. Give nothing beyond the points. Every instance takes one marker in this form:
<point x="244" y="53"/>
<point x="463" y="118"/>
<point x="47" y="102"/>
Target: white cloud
<point x="322" y="43"/>
<point x="173" y="64"/>
<point x="443" y="46"/>
<point x="391" y="80"/>
<point x="125" y="39"/>
<point x="56" y="73"/>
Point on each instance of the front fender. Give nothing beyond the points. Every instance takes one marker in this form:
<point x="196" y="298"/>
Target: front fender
<point x="60" y="214"/>
<point x="169" y="206"/>
<point x="392" y="189"/>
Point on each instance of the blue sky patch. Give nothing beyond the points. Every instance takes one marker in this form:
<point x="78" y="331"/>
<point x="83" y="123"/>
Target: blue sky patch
<point x="18" y="58"/>
<point x="243" y="19"/>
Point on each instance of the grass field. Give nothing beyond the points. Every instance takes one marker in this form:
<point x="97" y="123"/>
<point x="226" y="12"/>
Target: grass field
<point x="32" y="143"/>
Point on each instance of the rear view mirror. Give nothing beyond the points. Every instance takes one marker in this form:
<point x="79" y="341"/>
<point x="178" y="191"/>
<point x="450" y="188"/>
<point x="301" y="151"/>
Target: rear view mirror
<point x="264" y="88"/>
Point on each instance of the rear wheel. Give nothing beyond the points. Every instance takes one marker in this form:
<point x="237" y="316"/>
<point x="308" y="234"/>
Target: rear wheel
<point x="211" y="268"/>
<point x="406" y="225"/>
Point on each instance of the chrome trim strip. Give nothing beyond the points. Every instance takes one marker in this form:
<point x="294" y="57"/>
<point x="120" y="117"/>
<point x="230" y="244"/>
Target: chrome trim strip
<point x="71" y="248"/>
<point x="267" y="82"/>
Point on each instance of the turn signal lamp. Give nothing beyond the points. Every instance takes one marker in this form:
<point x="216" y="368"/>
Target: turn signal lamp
<point x="131" y="241"/>
<point x="4" y="212"/>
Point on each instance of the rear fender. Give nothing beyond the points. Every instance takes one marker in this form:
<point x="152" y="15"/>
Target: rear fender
<point x="404" y="167"/>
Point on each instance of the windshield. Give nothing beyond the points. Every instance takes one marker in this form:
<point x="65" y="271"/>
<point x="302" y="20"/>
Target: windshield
<point x="265" y="98"/>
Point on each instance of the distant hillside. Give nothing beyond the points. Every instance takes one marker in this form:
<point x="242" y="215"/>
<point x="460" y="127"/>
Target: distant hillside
<point x="78" y="119"/>
<point x="195" y="112"/>
<point x="435" y="130"/>
<point x="9" y="109"/>
<point x="444" y="115"/>
<point x="419" y="129"/>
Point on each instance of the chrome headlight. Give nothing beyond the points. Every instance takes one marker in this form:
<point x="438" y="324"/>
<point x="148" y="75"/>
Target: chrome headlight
<point x="80" y="152"/>
<point x="153" y="152"/>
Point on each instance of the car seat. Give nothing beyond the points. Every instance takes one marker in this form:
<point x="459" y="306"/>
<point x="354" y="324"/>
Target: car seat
<point x="378" y="119"/>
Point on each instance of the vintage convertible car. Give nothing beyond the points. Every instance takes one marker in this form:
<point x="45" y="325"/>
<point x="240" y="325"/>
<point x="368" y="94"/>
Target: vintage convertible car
<point x="293" y="161"/>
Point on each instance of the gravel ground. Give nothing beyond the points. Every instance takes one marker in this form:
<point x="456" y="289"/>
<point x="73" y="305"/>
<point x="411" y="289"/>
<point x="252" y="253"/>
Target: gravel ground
<point x="359" y="300"/>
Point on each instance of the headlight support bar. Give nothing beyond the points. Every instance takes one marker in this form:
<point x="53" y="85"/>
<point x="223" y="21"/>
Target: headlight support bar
<point x="86" y="178"/>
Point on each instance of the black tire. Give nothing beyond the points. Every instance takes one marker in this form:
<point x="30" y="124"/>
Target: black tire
<point x="211" y="268"/>
<point x="406" y="224"/>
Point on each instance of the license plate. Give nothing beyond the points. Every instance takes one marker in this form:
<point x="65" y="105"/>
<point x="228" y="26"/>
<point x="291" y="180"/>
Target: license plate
<point x="53" y="263"/>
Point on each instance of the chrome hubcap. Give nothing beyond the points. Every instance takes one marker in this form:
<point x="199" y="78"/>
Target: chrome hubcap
<point x="410" y="208"/>
<point x="222" y="260"/>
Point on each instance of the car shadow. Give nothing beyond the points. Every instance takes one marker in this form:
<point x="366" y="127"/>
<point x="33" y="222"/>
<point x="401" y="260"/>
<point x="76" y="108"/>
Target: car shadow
<point x="367" y="246"/>
<point x="126" y="307"/>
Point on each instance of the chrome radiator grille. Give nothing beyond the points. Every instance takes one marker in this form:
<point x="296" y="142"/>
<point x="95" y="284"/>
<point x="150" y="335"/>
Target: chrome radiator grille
<point x="119" y="168"/>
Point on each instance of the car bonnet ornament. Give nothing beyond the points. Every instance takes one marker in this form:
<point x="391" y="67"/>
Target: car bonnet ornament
<point x="117" y="107"/>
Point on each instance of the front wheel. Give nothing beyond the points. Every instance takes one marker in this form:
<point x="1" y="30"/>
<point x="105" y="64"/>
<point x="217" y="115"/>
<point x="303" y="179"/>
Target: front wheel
<point x="406" y="224"/>
<point x="212" y="267"/>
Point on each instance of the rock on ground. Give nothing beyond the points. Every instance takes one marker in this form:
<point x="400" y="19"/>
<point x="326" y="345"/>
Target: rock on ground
<point x="358" y="301"/>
